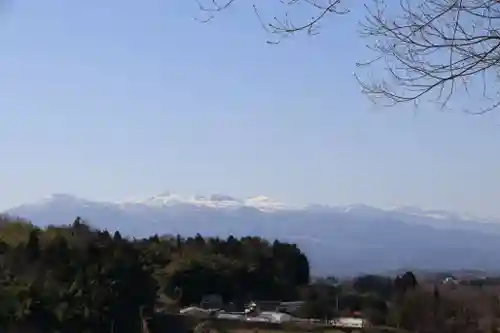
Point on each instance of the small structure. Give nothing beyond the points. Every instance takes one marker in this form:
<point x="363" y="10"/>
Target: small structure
<point x="276" y="317"/>
<point x="450" y="280"/>
<point x="231" y="316"/>
<point x="349" y="322"/>
<point x="265" y="305"/>
<point x="290" y="306"/>
<point x="276" y="306"/>
<point x="270" y="317"/>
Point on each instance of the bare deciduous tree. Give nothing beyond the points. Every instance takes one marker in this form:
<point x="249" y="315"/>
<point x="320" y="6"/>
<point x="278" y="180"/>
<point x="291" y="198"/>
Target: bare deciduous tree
<point x="438" y="49"/>
<point x="428" y="49"/>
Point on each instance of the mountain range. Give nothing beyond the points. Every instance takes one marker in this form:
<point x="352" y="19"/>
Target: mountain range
<point x="338" y="240"/>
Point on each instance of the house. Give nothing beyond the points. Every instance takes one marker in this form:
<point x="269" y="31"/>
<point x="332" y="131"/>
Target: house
<point x="276" y="306"/>
<point x="264" y="305"/>
<point x="290" y="306"/>
<point x="270" y="317"/>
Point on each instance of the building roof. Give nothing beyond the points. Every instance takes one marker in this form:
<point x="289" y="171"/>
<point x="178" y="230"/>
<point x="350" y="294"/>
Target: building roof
<point x="349" y="322"/>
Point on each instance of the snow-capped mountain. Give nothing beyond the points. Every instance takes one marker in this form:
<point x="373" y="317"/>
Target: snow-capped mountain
<point x="337" y="239"/>
<point x="167" y="199"/>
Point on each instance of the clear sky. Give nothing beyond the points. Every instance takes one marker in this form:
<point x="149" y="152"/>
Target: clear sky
<point x="119" y="98"/>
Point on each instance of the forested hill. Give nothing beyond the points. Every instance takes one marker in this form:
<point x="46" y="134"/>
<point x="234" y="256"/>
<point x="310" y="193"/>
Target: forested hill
<point x="75" y="277"/>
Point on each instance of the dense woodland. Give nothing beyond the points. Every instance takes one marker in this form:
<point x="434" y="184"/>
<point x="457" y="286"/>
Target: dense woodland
<point x="78" y="279"/>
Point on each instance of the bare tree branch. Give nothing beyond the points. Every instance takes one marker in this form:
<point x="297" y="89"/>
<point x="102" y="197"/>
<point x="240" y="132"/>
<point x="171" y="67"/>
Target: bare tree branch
<point x="281" y="26"/>
<point x="435" y="49"/>
<point x="425" y="49"/>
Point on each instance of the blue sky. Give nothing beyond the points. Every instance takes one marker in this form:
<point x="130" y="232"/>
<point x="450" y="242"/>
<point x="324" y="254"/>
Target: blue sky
<point x="108" y="100"/>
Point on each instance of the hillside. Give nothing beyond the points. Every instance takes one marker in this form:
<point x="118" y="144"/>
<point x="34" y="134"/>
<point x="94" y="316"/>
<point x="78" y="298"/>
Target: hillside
<point x="341" y="240"/>
<point x="78" y="279"/>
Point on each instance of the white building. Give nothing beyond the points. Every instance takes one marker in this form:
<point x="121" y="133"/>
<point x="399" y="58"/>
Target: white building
<point x="276" y="317"/>
<point x="349" y="322"/>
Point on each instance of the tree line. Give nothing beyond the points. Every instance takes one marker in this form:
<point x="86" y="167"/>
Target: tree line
<point x="408" y="304"/>
<point x="77" y="279"/>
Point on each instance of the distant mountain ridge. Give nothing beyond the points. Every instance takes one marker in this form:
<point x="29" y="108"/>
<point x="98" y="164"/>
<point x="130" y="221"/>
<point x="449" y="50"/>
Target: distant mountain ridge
<point x="342" y="240"/>
<point x="262" y="203"/>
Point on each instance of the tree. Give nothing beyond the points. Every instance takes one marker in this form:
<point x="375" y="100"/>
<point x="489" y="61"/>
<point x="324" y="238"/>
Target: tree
<point x="117" y="237"/>
<point x="431" y="50"/>
<point x="321" y="301"/>
<point x="405" y="283"/>
<point x="439" y="49"/>
<point x="33" y="246"/>
<point x="379" y="285"/>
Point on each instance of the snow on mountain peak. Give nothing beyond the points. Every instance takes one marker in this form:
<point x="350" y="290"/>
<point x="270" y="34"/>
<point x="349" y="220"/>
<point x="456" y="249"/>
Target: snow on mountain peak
<point x="215" y="200"/>
<point x="260" y="202"/>
<point x="60" y="197"/>
<point x="163" y="199"/>
<point x="265" y="203"/>
<point x="383" y="239"/>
